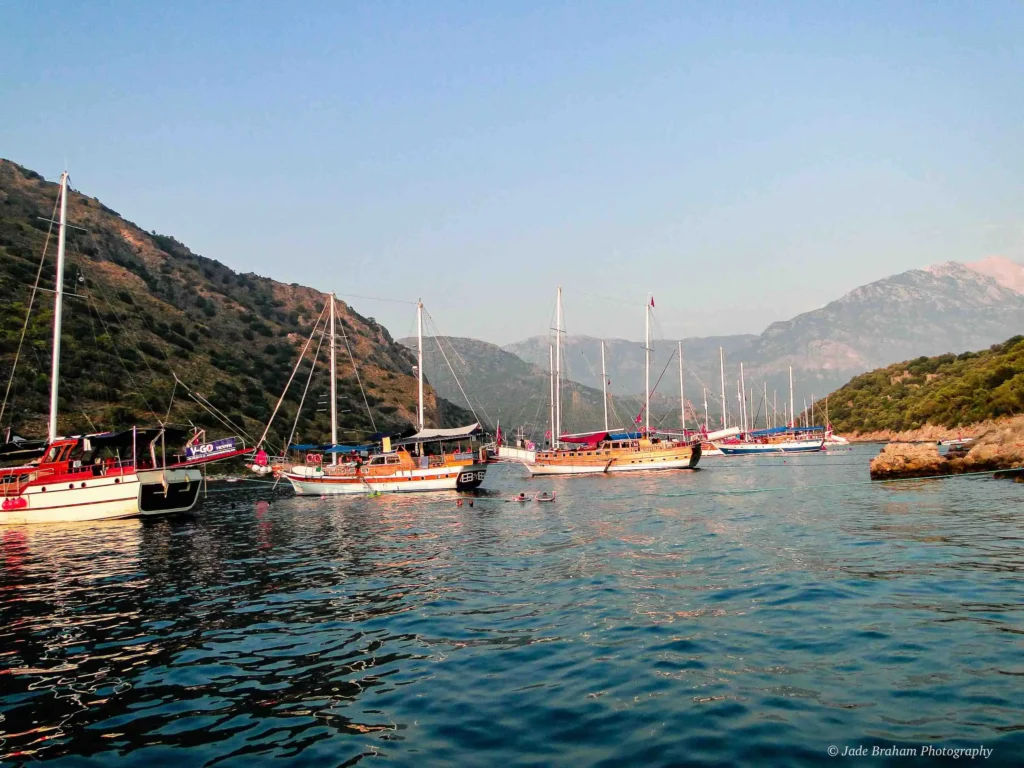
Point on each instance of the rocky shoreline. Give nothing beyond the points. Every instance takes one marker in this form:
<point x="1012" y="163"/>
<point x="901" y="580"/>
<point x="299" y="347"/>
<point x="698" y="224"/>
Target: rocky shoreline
<point x="999" y="447"/>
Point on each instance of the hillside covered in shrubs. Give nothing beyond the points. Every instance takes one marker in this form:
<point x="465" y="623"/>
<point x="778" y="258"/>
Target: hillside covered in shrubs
<point x="947" y="391"/>
<point x="144" y="308"/>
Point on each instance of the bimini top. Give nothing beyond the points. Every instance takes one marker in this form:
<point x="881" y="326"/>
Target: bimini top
<point x="440" y="435"/>
<point x="20" y="449"/>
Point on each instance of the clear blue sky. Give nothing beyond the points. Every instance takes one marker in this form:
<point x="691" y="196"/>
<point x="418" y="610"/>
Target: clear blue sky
<point x="743" y="162"/>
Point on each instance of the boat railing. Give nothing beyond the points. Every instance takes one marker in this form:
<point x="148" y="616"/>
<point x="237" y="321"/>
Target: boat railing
<point x="14" y="484"/>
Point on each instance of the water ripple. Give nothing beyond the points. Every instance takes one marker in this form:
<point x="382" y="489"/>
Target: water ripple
<point x="637" y="620"/>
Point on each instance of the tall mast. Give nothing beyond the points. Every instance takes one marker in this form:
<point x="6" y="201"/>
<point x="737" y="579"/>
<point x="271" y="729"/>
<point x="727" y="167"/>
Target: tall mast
<point x="743" y="401"/>
<point x="743" y="408"/>
<point x="604" y="386"/>
<point x="775" y="407"/>
<point x="810" y="420"/>
<point x="766" y="424"/>
<point x="647" y="368"/>
<point x="805" y="412"/>
<point x="705" y="408"/>
<point x="419" y="367"/>
<point x="721" y="359"/>
<point x="682" y="397"/>
<point x="558" y="367"/>
<point x="58" y="306"/>
<point x="792" y="415"/>
<point x="334" y="386"/>
<point x="551" y="371"/>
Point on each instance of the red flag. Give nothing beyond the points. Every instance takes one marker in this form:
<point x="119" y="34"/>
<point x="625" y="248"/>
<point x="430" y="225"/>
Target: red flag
<point x="652" y="301"/>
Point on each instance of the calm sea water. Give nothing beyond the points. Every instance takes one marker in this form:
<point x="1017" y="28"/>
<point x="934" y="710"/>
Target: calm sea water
<point x="643" y="620"/>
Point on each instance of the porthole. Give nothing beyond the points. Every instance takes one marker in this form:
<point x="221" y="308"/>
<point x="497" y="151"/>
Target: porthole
<point x="116" y="480"/>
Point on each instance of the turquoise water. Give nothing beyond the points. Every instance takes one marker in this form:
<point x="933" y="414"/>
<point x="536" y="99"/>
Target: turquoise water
<point x="645" y="620"/>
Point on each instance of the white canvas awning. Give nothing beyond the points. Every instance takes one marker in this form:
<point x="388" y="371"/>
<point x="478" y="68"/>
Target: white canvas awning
<point x="440" y="435"/>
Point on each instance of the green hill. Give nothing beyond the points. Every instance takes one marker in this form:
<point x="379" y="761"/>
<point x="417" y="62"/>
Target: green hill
<point x="947" y="391"/>
<point x="144" y="308"/>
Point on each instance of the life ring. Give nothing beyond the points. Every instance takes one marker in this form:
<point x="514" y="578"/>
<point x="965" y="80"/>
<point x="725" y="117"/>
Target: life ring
<point x="314" y="458"/>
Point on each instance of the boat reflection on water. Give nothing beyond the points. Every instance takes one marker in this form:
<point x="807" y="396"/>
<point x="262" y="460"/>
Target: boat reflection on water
<point x="111" y="630"/>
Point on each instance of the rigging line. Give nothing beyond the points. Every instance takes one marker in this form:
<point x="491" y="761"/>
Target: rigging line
<point x="309" y="379"/>
<point x="171" y="403"/>
<point x="375" y="298"/>
<point x="603" y="298"/>
<point x="117" y="353"/>
<point x="359" y="381"/>
<point x="743" y="491"/>
<point x="142" y="317"/>
<point x="28" y="311"/>
<point x="298" y="362"/>
<point x="667" y="364"/>
<point x="133" y="338"/>
<point x="212" y="410"/>
<point x="455" y="352"/>
<point x="454" y="375"/>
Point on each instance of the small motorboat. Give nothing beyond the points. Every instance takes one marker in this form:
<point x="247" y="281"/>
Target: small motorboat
<point x="546" y="497"/>
<point x="957" y="441"/>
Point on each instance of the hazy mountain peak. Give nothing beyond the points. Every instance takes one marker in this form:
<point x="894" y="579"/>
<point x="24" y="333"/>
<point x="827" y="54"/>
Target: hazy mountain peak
<point x="1006" y="272"/>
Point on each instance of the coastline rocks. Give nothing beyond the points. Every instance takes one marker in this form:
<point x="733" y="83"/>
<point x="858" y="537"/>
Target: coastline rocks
<point x="908" y="460"/>
<point x="1001" y="447"/>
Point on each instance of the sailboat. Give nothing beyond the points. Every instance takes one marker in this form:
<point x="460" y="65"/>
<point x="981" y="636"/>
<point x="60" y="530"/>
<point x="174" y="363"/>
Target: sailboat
<point x="788" y="439"/>
<point x="403" y="467"/>
<point x="100" y="476"/>
<point x="608" y="450"/>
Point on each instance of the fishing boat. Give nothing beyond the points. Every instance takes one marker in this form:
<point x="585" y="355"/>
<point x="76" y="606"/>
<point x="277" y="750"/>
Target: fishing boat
<point x="100" y="476"/>
<point x="416" y="463"/>
<point x="607" y="451"/>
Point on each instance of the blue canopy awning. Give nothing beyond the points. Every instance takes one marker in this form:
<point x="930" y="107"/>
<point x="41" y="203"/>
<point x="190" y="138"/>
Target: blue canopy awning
<point x="624" y="435"/>
<point x="783" y="430"/>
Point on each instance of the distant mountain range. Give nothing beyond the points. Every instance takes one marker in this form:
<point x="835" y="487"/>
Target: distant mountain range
<point x="950" y="307"/>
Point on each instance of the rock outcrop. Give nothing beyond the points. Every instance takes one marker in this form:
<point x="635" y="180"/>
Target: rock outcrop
<point x="1001" y="447"/>
<point x="908" y="460"/>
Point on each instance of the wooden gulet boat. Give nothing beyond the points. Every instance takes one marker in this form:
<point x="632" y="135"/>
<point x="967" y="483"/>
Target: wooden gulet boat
<point x="98" y="476"/>
<point x="606" y="452"/>
<point x="406" y="468"/>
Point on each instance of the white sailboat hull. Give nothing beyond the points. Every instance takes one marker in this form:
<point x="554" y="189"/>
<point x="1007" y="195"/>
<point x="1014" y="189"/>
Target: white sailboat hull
<point x="591" y="469"/>
<point x="146" y="494"/>
<point x="308" y="482"/>
<point x="792" y="446"/>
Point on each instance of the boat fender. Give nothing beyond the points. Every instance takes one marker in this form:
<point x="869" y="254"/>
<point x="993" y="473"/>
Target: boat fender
<point x="16" y="503"/>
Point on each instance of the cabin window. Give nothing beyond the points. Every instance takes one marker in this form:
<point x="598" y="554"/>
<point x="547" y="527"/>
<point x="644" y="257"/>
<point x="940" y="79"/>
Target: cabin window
<point x="394" y="460"/>
<point x="590" y="453"/>
<point x="377" y="460"/>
